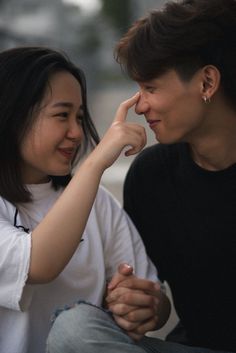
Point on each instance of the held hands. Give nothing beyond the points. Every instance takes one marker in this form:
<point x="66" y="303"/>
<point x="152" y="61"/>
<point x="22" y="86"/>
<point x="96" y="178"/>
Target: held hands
<point x="120" y="134"/>
<point x="134" y="302"/>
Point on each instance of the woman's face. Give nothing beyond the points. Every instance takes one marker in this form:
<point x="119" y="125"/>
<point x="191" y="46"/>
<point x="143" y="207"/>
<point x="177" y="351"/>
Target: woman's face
<point x="173" y="108"/>
<point x="50" y="145"/>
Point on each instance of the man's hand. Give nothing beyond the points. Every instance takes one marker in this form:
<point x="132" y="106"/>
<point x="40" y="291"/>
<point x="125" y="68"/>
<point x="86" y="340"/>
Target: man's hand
<point x="134" y="302"/>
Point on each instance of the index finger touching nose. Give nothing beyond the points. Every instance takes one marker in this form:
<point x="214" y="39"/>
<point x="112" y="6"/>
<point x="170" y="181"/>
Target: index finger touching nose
<point x="121" y="113"/>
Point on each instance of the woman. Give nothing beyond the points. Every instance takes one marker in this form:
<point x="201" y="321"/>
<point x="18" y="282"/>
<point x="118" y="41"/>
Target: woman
<point x="183" y="59"/>
<point x="49" y="255"/>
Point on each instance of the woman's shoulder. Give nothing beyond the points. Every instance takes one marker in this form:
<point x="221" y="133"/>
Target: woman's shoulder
<point x="105" y="197"/>
<point x="7" y="209"/>
<point x="106" y="212"/>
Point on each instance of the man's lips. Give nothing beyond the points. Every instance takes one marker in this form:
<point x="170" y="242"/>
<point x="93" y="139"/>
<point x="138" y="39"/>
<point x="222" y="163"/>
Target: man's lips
<point x="152" y="123"/>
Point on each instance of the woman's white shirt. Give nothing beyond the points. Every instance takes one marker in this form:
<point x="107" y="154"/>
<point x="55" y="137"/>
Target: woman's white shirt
<point x="109" y="239"/>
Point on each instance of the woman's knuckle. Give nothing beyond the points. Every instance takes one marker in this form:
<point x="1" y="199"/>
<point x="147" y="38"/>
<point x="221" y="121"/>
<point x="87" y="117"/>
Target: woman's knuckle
<point x="131" y="316"/>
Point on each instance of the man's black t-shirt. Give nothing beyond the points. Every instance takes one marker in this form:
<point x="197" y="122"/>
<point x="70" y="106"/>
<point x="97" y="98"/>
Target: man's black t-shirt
<point x="187" y="218"/>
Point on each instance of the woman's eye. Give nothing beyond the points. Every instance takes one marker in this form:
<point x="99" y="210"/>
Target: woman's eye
<point x="63" y="115"/>
<point x="80" y="119"/>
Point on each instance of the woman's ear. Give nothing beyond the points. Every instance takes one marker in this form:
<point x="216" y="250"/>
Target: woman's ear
<point x="210" y="81"/>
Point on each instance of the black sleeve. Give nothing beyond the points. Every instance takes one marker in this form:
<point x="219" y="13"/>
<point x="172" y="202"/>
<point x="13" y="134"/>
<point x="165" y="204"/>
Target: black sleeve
<point x="135" y="189"/>
<point x="149" y="199"/>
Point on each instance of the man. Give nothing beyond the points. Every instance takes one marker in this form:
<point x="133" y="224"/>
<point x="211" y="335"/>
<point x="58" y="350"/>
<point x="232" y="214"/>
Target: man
<point x="180" y="193"/>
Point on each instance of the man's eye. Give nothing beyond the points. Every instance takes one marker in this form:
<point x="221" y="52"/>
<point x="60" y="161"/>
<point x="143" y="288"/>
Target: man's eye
<point x="150" y="89"/>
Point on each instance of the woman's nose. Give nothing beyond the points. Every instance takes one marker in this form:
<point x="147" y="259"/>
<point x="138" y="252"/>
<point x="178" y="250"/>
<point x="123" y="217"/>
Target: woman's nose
<point x="75" y="131"/>
<point x="142" y="105"/>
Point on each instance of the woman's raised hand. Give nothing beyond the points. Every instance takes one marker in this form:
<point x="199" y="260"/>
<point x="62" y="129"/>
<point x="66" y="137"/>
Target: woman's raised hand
<point x="121" y="134"/>
<point x="58" y="234"/>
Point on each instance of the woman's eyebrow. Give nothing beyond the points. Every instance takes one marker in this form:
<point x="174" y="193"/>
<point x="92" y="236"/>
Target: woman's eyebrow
<point x="62" y="104"/>
<point x="66" y="105"/>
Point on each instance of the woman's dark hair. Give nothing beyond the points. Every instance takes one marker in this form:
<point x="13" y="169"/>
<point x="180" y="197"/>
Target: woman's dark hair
<point x="24" y="77"/>
<point x="183" y="36"/>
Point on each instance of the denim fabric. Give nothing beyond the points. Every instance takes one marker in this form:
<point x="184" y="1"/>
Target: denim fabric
<point x="86" y="328"/>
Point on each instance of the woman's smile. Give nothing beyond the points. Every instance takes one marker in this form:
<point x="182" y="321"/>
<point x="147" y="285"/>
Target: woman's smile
<point x="51" y="145"/>
<point x="67" y="152"/>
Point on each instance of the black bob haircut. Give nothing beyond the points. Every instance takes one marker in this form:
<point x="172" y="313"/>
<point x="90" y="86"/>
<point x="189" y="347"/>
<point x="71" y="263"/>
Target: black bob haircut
<point x="24" y="77"/>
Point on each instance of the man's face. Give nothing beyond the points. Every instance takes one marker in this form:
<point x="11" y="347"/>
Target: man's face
<point x="172" y="107"/>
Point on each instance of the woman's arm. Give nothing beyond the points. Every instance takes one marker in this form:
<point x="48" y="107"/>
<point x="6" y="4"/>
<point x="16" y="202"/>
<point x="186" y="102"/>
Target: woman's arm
<point x="56" y="238"/>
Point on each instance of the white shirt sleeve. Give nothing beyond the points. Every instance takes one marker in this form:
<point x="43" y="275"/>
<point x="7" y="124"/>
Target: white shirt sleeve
<point x="122" y="243"/>
<point x="15" y="246"/>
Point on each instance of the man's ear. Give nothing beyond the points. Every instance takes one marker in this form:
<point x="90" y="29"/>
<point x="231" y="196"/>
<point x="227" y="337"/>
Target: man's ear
<point x="210" y="80"/>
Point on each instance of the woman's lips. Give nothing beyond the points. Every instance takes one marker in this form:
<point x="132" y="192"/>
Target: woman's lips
<point x="67" y="152"/>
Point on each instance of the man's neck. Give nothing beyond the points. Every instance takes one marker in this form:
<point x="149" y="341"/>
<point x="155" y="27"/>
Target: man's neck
<point x="217" y="154"/>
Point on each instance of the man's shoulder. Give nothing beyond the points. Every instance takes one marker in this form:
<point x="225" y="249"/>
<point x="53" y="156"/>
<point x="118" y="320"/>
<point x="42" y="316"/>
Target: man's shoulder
<point x="159" y="154"/>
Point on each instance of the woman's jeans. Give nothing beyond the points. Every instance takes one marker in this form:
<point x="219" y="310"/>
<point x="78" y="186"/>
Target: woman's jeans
<point x="88" y="329"/>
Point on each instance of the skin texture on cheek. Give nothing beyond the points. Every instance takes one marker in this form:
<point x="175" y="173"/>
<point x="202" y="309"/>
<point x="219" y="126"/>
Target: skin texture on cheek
<point x="179" y="109"/>
<point x="35" y="153"/>
<point x="49" y="147"/>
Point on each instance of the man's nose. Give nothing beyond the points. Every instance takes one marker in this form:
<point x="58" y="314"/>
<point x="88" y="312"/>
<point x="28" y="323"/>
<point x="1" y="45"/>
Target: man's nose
<point x="142" y="106"/>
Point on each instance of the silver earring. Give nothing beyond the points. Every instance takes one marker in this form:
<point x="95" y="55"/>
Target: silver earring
<point x="206" y="99"/>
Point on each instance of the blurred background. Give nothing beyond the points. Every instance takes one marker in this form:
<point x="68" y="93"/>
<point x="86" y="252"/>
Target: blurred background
<point x="87" y="30"/>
